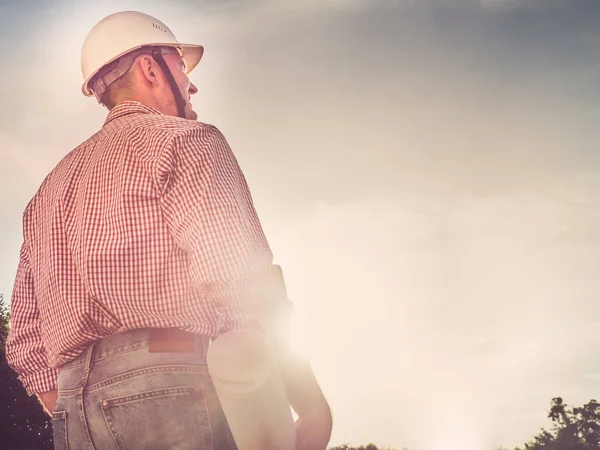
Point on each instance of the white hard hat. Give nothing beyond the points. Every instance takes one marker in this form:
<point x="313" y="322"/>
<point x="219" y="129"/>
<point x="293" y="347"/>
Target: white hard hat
<point x="123" y="32"/>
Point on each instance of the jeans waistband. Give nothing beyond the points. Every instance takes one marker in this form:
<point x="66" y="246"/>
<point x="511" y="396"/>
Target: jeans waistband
<point x="124" y="342"/>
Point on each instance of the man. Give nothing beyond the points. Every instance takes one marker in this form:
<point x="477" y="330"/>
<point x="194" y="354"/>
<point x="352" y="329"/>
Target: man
<point x="139" y="246"/>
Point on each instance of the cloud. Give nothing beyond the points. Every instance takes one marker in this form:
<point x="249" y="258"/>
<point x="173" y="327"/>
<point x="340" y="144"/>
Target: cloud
<point x="541" y="5"/>
<point x="22" y="166"/>
<point x="501" y="4"/>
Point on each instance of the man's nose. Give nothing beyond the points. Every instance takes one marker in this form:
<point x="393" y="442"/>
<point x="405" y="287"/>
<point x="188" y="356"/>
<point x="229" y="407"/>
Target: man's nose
<point x="193" y="89"/>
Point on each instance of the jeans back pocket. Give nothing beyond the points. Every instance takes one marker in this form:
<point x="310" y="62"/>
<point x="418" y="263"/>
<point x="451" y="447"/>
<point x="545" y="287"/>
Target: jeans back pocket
<point x="175" y="417"/>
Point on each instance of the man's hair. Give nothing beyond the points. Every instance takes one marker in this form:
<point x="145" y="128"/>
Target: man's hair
<point x="120" y="86"/>
<point x="116" y="90"/>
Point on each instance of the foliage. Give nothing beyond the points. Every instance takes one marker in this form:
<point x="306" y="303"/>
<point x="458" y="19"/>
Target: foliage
<point x="23" y="423"/>
<point x="574" y="428"/>
<point x="4" y="324"/>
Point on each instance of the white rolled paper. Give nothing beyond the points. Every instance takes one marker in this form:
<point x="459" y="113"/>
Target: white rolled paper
<point x="251" y="391"/>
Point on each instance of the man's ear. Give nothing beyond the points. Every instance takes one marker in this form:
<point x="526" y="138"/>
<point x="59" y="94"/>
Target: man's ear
<point x="148" y="70"/>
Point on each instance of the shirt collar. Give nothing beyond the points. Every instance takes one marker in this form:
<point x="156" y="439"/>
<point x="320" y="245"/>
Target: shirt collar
<point x="129" y="107"/>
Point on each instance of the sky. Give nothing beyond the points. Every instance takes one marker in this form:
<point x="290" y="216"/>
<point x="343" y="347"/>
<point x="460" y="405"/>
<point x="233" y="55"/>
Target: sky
<point x="426" y="173"/>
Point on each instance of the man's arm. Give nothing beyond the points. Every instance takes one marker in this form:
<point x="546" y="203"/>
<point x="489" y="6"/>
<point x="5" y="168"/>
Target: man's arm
<point x="25" y="352"/>
<point x="209" y="210"/>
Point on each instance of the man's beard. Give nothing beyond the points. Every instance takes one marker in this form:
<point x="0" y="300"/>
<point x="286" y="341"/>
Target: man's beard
<point x="190" y="114"/>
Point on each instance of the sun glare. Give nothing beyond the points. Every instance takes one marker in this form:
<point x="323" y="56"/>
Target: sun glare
<point x="456" y="437"/>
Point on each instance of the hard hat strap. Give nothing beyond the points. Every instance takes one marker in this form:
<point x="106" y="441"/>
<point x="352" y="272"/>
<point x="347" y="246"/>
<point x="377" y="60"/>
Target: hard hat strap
<point x="157" y="55"/>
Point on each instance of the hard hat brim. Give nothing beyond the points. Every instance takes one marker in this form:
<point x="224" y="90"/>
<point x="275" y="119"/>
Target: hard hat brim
<point x="192" y="54"/>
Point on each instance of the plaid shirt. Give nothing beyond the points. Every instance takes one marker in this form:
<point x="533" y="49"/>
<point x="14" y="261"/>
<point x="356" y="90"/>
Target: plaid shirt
<point x="149" y="223"/>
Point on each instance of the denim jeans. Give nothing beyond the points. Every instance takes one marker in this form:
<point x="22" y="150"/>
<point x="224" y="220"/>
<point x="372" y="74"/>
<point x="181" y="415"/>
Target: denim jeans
<point x="118" y="395"/>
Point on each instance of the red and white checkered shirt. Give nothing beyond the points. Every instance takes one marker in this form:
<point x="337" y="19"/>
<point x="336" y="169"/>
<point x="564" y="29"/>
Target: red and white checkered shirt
<point x="149" y="223"/>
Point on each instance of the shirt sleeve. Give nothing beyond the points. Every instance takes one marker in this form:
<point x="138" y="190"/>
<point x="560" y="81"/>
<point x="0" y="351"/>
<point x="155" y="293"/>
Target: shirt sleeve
<point x="210" y="213"/>
<point x="25" y="351"/>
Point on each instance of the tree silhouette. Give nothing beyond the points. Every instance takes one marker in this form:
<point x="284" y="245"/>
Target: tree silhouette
<point x="574" y="428"/>
<point x="23" y="423"/>
<point x="4" y="323"/>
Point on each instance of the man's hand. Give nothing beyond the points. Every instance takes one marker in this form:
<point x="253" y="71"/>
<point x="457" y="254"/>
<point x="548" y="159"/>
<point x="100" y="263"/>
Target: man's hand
<point x="48" y="401"/>
<point x="313" y="433"/>
<point x="313" y="428"/>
